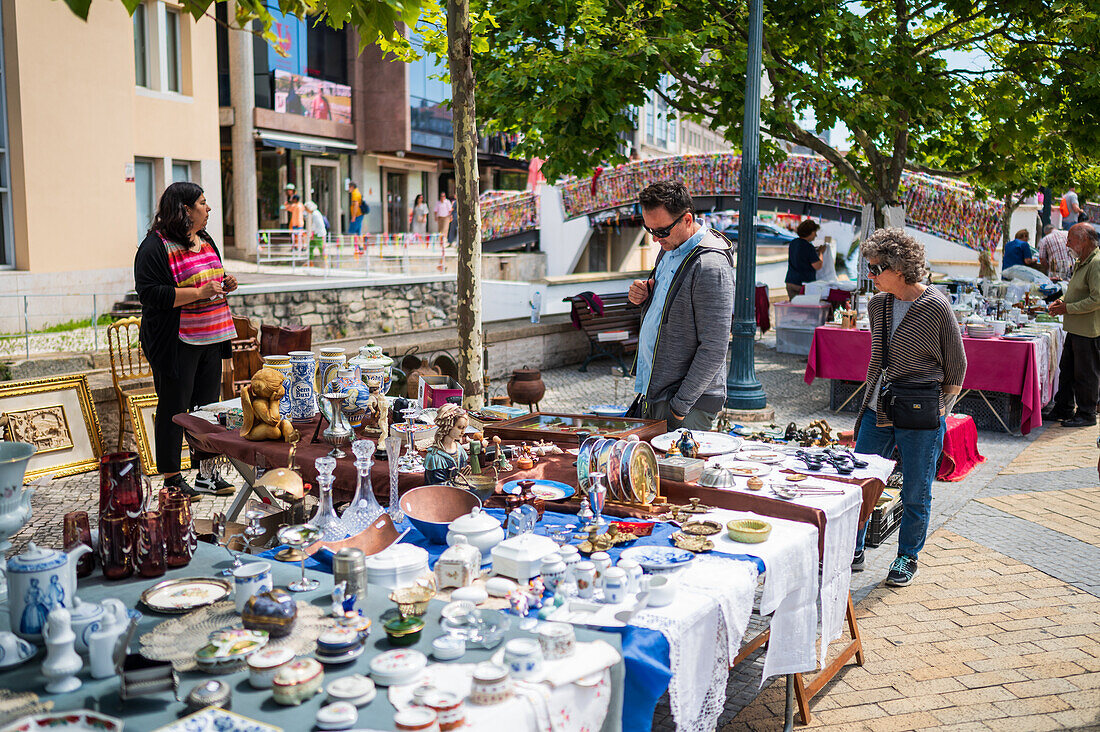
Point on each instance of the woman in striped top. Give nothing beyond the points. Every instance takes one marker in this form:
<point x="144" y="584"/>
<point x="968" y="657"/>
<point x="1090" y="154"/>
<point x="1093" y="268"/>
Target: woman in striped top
<point x="185" y="322"/>
<point x="924" y="346"/>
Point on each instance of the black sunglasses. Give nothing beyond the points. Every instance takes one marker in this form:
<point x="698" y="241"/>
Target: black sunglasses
<point x="664" y="231"/>
<point x="876" y="269"/>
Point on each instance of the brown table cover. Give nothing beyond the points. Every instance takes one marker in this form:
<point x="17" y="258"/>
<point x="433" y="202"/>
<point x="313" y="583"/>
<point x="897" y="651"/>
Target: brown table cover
<point x="202" y="435"/>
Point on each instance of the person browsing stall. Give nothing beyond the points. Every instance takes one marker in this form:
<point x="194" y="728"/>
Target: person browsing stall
<point x="687" y="309"/>
<point x="186" y="326"/>
<point x="915" y="326"/>
<point x="1079" y="367"/>
<point x="1019" y="252"/>
<point x="803" y="258"/>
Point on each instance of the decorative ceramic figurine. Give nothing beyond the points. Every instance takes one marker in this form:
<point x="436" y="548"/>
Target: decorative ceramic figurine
<point x="689" y="446"/>
<point x="447" y="456"/>
<point x="502" y="464"/>
<point x="526" y="460"/>
<point x="62" y="663"/>
<point x="377" y="413"/>
<point x="260" y="401"/>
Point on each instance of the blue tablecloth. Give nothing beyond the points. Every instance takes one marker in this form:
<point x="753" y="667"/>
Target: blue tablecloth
<point x="645" y="651"/>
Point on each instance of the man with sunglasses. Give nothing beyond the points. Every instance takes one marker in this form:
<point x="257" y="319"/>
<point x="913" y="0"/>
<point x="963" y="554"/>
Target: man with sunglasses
<point x="687" y="310"/>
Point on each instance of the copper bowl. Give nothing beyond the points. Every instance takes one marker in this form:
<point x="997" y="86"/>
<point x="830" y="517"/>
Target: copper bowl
<point x="432" y="508"/>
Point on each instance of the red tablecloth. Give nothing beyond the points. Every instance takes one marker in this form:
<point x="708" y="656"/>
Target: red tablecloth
<point x="992" y="365"/>
<point x="960" y="448"/>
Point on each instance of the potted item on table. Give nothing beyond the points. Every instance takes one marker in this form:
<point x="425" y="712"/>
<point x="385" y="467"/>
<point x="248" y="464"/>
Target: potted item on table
<point x="446" y="457"/>
<point x="40" y="580"/>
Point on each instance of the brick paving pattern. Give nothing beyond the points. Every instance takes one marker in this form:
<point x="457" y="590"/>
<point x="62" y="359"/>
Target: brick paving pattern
<point x="1000" y="629"/>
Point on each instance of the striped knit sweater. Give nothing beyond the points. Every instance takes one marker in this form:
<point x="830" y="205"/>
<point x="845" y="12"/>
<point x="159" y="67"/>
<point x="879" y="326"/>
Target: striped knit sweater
<point x="926" y="347"/>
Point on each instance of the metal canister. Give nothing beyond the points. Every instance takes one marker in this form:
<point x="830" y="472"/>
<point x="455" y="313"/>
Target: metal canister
<point x="350" y="565"/>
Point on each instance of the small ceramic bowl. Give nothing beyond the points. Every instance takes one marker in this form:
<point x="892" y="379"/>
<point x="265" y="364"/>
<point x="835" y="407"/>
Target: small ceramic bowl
<point x="265" y="663"/>
<point x="448" y="648"/>
<point x="339" y="715"/>
<point x="394" y="668"/>
<point x="749" y="531"/>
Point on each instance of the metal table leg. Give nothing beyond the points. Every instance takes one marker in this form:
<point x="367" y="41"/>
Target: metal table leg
<point x="248" y="472"/>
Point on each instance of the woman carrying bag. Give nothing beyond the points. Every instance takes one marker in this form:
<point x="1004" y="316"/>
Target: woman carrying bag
<point x="914" y="377"/>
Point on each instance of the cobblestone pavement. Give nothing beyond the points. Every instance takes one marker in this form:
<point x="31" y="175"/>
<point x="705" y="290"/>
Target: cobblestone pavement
<point x="999" y="630"/>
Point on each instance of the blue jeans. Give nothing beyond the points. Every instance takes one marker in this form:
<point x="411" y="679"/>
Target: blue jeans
<point x="920" y="455"/>
<point x="356" y="225"/>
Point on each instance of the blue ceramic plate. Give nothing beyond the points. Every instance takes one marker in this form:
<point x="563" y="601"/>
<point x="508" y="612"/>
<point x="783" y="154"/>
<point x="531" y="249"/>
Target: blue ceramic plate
<point x="607" y="410"/>
<point x="658" y="557"/>
<point x="547" y="490"/>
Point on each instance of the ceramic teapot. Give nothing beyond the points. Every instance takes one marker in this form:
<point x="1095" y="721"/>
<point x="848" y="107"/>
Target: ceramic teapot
<point x="40" y="580"/>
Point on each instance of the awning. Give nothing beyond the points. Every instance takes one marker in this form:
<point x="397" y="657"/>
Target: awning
<point x="305" y="143"/>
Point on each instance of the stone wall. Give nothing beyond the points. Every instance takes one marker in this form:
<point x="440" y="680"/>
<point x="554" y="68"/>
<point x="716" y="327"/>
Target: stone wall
<point x="347" y="312"/>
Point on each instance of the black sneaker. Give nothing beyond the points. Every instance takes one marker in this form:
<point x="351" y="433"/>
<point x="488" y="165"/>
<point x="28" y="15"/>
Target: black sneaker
<point x="1081" y="420"/>
<point x="858" y="560"/>
<point x="214" y="486"/>
<point x="179" y="483"/>
<point x="1057" y="414"/>
<point x="902" y="571"/>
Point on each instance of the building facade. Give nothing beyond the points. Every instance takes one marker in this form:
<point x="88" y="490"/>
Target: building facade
<point x="98" y="116"/>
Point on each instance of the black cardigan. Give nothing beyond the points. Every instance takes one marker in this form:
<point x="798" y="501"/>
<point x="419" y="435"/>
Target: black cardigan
<point x="156" y="288"/>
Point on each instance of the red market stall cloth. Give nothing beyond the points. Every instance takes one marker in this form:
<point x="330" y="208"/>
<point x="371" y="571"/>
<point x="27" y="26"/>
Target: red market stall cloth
<point x="960" y="448"/>
<point x="992" y="365"/>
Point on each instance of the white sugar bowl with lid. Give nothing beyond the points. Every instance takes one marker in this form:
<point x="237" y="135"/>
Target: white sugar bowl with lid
<point x="397" y="566"/>
<point x="480" y="529"/>
<point x="355" y="689"/>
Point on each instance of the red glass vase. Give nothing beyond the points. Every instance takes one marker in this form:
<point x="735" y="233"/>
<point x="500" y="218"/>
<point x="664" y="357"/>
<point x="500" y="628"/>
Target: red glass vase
<point x="179" y="530"/>
<point x="116" y="546"/>
<point x="120" y="485"/>
<point x="151" y="554"/>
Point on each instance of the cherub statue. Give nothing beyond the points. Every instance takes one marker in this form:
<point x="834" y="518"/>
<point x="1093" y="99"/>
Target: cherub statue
<point x="378" y="409"/>
<point x="260" y="403"/>
<point x="447" y="456"/>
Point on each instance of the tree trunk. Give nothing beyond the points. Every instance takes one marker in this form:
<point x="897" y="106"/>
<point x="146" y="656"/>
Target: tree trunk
<point x="460" y="58"/>
<point x="1011" y="204"/>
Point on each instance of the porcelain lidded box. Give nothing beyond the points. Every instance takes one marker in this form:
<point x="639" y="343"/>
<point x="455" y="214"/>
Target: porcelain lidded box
<point x="520" y="557"/>
<point x="458" y="565"/>
<point x="481" y="530"/>
<point x="398" y="566"/>
<point x="297" y="681"/>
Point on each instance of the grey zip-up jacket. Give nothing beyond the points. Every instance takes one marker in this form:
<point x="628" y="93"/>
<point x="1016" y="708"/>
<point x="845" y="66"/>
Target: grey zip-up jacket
<point x="689" y="359"/>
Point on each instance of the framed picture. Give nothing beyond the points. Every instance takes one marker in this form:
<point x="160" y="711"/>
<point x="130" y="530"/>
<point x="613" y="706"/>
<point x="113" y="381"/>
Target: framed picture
<point x="143" y="408"/>
<point x="57" y="416"/>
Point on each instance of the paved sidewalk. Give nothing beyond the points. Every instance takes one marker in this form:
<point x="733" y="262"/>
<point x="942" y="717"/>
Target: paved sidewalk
<point x="1000" y="629"/>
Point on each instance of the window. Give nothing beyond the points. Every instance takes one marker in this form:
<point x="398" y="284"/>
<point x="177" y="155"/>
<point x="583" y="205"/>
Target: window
<point x="172" y="49"/>
<point x="141" y="51"/>
<point x="181" y="171"/>
<point x="143" y="188"/>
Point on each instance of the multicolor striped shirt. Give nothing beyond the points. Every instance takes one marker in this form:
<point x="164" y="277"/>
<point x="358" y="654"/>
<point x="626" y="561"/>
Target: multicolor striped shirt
<point x="206" y="321"/>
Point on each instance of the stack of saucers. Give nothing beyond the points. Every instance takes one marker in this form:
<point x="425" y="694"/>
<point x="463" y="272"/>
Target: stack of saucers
<point x="981" y="330"/>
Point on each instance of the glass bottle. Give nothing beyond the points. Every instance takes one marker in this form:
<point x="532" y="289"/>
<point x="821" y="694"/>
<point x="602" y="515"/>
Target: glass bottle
<point x="393" y="450"/>
<point x="326" y="519"/>
<point x="364" y="508"/>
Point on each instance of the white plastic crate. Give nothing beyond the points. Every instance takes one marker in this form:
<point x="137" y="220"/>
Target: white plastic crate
<point x="794" y="340"/>
<point x="800" y="316"/>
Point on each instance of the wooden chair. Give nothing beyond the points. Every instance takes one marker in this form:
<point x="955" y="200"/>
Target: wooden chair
<point x="246" y="358"/>
<point x="128" y="366"/>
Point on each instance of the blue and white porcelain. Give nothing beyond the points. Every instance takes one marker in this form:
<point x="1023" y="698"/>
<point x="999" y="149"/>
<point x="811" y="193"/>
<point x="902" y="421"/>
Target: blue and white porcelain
<point x="250" y="579"/>
<point x="357" y="399"/>
<point x="14" y="650"/>
<point x="216" y="719"/>
<point x="40" y="580"/>
<point x="523" y="658"/>
<point x="331" y="360"/>
<point x="658" y="558"/>
<point x="281" y="363"/>
<point x="303" y="394"/>
<point x="371" y="362"/>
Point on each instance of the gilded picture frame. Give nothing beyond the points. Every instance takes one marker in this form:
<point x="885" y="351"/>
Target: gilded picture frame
<point x="58" y="416"/>
<point x="143" y="408"/>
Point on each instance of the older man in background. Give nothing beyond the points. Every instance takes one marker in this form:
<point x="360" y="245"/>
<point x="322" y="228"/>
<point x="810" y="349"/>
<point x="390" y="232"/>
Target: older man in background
<point x="1056" y="257"/>
<point x="1079" y="369"/>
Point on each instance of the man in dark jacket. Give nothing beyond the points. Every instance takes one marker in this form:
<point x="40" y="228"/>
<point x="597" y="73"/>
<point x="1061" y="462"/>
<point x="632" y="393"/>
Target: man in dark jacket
<point x="687" y="309"/>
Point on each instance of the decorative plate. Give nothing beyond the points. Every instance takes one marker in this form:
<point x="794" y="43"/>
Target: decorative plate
<point x="584" y="462"/>
<point x="692" y="543"/>
<point x="608" y="410"/>
<point x="768" y="457"/>
<point x="644" y="481"/>
<point x="616" y="490"/>
<point x="742" y="468"/>
<point x="601" y="454"/>
<point x="80" y="720"/>
<point x="216" y="719"/>
<point x="547" y="490"/>
<point x="183" y="595"/>
<point x="658" y="557"/>
<point x="710" y="443"/>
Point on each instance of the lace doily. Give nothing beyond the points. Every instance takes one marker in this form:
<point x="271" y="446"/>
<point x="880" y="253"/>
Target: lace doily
<point x="16" y="705"/>
<point x="176" y="640"/>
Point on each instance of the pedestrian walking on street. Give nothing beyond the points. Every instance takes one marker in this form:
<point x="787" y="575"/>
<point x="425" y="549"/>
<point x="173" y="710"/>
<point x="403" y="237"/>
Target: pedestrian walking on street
<point x="316" y="231"/>
<point x="1079" y="368"/>
<point x="443" y="210"/>
<point x="803" y="258"/>
<point x="357" y="211"/>
<point x="1056" y="257"/>
<point x="186" y="326"/>
<point x="687" y="306"/>
<point x="914" y="326"/>
<point x="419" y="215"/>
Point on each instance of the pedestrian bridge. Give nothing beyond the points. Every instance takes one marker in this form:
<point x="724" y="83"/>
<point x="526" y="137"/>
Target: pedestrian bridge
<point x="801" y="184"/>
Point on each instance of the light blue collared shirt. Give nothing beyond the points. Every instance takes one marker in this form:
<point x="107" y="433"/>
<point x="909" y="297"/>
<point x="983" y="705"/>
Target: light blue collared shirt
<point x="647" y="336"/>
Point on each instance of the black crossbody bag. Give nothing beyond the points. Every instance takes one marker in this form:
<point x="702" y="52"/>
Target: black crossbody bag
<point x="910" y="406"/>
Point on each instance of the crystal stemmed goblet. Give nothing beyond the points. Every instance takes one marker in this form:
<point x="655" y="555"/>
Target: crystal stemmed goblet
<point x="300" y="536"/>
<point x="597" y="497"/>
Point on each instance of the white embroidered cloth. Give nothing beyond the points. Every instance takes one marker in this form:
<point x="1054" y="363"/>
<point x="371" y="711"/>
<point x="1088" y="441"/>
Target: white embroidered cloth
<point x="703" y="625"/>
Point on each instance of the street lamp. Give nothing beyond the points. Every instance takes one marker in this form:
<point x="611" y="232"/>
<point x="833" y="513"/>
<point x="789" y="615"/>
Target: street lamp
<point x="743" y="389"/>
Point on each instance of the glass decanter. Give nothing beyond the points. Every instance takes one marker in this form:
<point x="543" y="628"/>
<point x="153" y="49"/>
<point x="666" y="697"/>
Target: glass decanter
<point x="326" y="519"/>
<point x="364" y="508"/>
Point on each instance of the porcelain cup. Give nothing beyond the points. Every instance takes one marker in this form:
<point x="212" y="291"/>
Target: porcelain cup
<point x="634" y="574"/>
<point x="523" y="658"/>
<point x="250" y="579"/>
<point x="614" y="585"/>
<point x="558" y="640"/>
<point x="491" y="685"/>
<point x="601" y="560"/>
<point x="661" y="590"/>
<point x="10" y="649"/>
<point x="585" y="575"/>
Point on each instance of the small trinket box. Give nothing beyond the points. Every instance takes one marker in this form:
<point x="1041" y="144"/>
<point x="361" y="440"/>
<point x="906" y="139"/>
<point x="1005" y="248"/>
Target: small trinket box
<point x="298" y="681"/>
<point x="680" y="468"/>
<point x="211" y="693"/>
<point x="459" y="565"/>
<point x="355" y="689"/>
